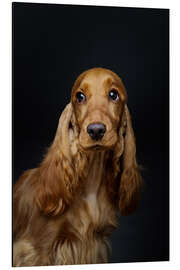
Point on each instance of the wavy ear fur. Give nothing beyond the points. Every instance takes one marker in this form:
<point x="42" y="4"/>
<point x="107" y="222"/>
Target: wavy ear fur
<point x="131" y="181"/>
<point x="57" y="178"/>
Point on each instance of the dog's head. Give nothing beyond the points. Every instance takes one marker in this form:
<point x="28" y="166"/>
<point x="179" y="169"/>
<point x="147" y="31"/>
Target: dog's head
<point x="96" y="119"/>
<point x="98" y="99"/>
<point x="104" y="123"/>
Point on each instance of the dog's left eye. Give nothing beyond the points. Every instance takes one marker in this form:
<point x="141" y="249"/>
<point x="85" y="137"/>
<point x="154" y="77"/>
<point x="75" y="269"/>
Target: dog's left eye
<point x="80" y="97"/>
<point x="114" y="95"/>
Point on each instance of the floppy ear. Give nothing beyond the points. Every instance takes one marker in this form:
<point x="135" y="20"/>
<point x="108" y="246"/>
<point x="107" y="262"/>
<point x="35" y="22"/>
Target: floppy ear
<point x="131" y="181"/>
<point x="57" y="177"/>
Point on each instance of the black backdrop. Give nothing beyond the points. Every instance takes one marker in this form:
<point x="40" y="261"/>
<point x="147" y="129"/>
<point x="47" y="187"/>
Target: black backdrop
<point x="52" y="45"/>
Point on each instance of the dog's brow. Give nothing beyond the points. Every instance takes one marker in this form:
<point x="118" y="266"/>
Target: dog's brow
<point x="109" y="81"/>
<point x="112" y="81"/>
<point x="115" y="82"/>
<point x="84" y="85"/>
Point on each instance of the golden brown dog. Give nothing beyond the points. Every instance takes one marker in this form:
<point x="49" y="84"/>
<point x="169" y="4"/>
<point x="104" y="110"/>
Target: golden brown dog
<point x="65" y="209"/>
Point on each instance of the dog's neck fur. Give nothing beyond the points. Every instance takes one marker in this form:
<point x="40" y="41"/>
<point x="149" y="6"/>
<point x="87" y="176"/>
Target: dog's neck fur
<point x="95" y="173"/>
<point x="94" y="183"/>
<point x="94" y="212"/>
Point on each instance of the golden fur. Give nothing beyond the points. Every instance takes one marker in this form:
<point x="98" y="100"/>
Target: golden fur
<point x="65" y="209"/>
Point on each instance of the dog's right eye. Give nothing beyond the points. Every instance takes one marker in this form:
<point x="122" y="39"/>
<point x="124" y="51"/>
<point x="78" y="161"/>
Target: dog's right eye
<point x="80" y="97"/>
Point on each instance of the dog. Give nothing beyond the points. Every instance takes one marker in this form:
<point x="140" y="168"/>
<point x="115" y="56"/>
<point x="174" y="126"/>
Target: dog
<point x="65" y="210"/>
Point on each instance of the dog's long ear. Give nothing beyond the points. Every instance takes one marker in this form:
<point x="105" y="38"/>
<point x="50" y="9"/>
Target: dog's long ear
<point x="57" y="177"/>
<point x="131" y="181"/>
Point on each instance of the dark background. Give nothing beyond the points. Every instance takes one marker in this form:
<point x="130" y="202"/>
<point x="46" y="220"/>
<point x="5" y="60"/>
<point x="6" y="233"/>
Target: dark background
<point x="52" y="45"/>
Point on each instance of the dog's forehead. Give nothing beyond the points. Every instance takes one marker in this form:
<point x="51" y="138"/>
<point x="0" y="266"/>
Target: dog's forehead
<point x="96" y="80"/>
<point x="100" y="77"/>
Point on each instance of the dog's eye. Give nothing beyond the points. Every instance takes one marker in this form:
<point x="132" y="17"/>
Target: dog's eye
<point x="80" y="97"/>
<point x="114" y="95"/>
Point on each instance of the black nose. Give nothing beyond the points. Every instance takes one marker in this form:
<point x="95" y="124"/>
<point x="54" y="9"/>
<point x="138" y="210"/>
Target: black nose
<point x="96" y="131"/>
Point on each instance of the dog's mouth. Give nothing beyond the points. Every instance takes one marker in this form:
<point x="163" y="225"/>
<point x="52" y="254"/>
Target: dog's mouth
<point x="94" y="147"/>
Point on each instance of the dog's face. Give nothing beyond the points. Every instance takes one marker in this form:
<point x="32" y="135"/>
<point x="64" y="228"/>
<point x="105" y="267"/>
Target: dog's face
<point x="98" y="99"/>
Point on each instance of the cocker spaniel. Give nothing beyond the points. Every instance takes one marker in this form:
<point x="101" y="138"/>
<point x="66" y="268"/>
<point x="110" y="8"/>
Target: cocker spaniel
<point x="65" y="209"/>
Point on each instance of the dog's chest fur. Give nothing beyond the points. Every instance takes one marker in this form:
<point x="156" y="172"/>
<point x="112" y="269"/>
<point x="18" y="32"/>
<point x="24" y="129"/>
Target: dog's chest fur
<point x="93" y="210"/>
<point x="93" y="186"/>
